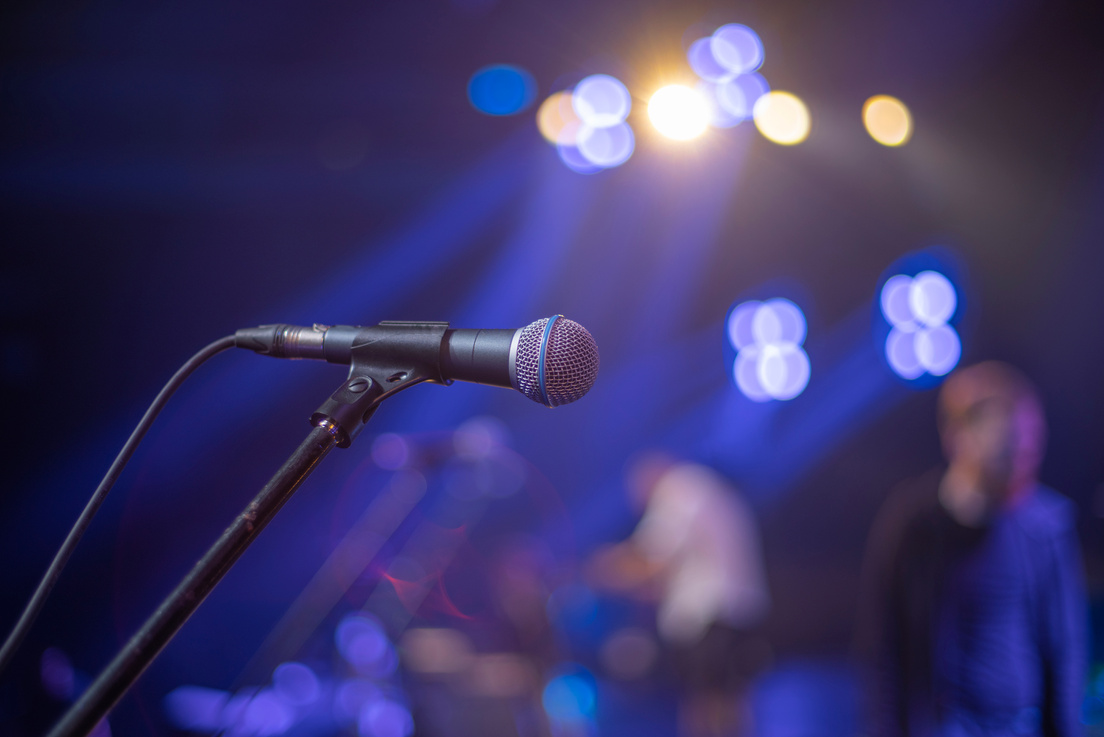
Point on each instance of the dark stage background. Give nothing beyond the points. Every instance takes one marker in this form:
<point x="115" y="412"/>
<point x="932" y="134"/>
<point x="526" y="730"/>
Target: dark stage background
<point x="172" y="172"/>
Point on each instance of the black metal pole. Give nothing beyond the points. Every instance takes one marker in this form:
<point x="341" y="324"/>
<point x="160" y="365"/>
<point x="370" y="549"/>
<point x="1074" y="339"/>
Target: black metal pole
<point x="144" y="646"/>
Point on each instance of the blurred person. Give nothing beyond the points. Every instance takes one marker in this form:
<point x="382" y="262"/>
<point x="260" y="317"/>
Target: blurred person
<point x="975" y="603"/>
<point x="695" y="555"/>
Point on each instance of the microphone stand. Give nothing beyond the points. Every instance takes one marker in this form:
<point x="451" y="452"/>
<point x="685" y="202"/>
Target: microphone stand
<point x="372" y="378"/>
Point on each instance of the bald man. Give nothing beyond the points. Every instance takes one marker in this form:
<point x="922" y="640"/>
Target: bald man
<point x="975" y="601"/>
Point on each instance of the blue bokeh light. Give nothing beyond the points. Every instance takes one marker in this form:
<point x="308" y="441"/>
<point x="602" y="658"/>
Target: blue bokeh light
<point x="726" y="62"/>
<point x="704" y="64"/>
<point x="574" y="160"/>
<point x="352" y="696"/>
<point x="385" y="718"/>
<point x="737" y="96"/>
<point x="571" y="697"/>
<point x="362" y="642"/>
<point x="606" y="147"/>
<point x="501" y="89"/>
<point x="296" y="684"/>
<point x="601" y="101"/>
<point x="737" y="48"/>
<point x="919" y="308"/>
<point x="932" y="299"/>
<point x="196" y="708"/>
<point x="770" y="362"/>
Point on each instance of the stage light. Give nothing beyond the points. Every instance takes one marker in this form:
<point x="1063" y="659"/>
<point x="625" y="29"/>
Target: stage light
<point x="782" y="117"/>
<point x="770" y="362"/>
<point x="574" y="160"/>
<point x="601" y="101"/>
<point x="737" y="48"/>
<point x="501" y="89"/>
<point x="197" y="709"/>
<point x="919" y="308"/>
<point x="679" y="112"/>
<point x="363" y="644"/>
<point x="938" y="349"/>
<point x="296" y="684"/>
<point x="704" y="64"/>
<point x="718" y="116"/>
<point x="901" y="352"/>
<point x="556" y="119"/>
<point x="606" y="147"/>
<point x="737" y="96"/>
<point x="887" y="120"/>
<point x="895" y="300"/>
<point x="262" y="713"/>
<point x="385" y="718"/>
<point x="352" y="696"/>
<point x="570" y="698"/>
<point x="932" y="299"/>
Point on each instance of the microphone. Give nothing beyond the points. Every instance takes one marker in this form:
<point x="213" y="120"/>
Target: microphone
<point x="553" y="361"/>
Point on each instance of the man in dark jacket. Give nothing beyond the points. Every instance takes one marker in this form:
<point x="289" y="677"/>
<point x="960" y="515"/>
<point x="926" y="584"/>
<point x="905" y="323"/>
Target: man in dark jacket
<point x="974" y="591"/>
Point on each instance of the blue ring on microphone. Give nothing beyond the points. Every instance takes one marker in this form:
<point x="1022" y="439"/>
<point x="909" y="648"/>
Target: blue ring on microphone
<point x="540" y="359"/>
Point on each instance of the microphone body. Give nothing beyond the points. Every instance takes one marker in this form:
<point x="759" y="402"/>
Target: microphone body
<point x="552" y="361"/>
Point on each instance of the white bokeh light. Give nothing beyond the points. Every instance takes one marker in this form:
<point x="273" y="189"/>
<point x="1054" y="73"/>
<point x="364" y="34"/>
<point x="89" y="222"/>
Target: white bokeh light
<point x="606" y="147"/>
<point x="770" y="362"/>
<point x="601" y="101"/>
<point x="737" y="48"/>
<point x="679" y="112"/>
<point x="932" y="298"/>
<point x="919" y="309"/>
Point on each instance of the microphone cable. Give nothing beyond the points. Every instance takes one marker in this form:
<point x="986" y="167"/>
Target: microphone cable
<point x="34" y="606"/>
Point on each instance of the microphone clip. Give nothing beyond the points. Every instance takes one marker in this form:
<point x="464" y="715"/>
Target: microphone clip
<point x="386" y="359"/>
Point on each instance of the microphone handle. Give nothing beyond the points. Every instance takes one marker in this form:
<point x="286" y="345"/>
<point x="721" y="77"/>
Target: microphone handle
<point x="481" y="357"/>
<point x="477" y="356"/>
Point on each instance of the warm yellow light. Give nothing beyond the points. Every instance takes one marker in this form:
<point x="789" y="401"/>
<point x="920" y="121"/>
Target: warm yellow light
<point x="887" y="120"/>
<point x="679" y="112"/>
<point x="557" y="120"/>
<point x="782" y="117"/>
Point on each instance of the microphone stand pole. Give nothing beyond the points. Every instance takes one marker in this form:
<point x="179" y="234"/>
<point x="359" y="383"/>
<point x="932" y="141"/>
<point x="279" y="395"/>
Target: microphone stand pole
<point x="372" y="378"/>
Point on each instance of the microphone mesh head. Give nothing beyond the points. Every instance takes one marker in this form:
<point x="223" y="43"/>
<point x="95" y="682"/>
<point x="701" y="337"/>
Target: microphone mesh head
<point x="570" y="361"/>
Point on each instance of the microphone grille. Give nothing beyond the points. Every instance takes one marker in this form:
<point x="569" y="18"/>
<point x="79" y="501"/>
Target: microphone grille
<point x="557" y="361"/>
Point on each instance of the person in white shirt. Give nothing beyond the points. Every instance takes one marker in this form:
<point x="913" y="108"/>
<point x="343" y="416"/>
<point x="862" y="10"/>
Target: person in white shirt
<point x="696" y="555"/>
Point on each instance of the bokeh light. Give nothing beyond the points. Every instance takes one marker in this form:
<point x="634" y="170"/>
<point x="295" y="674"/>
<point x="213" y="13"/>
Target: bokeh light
<point x="704" y="64"/>
<point x="920" y="308"/>
<point x="296" y="683"/>
<point x="196" y="708"/>
<point x="782" y="117"/>
<point x="737" y="96"/>
<point x="501" y="89"/>
<point x="364" y="645"/>
<point x="737" y="48"/>
<point x="574" y="160"/>
<point x="679" y="112"/>
<point x="587" y="124"/>
<point x="932" y="299"/>
<point x="570" y="698"/>
<point x="770" y="362"/>
<point x="726" y="62"/>
<point x="887" y="120"/>
<point x="557" y="120"/>
<point x="606" y="147"/>
<point x="601" y="101"/>
<point x="385" y="718"/>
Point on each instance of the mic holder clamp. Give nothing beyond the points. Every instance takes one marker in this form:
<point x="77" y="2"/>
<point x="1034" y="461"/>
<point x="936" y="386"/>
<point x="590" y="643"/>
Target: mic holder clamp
<point x="386" y="359"/>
